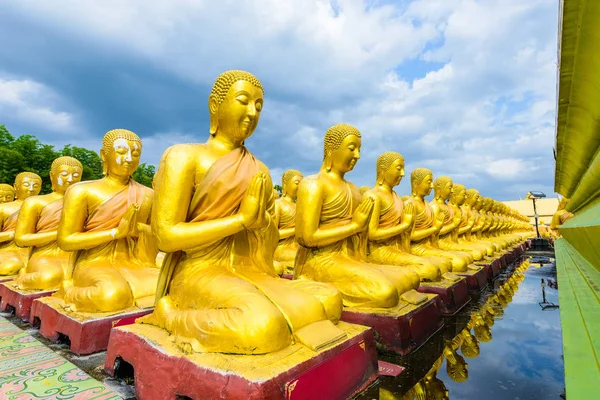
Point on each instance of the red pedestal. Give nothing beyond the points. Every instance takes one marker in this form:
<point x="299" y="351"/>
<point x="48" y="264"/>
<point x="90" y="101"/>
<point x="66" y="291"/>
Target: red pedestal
<point x="452" y="298"/>
<point x="6" y="278"/>
<point x="20" y="301"/>
<point x="477" y="280"/>
<point x="402" y="329"/>
<point x="492" y="269"/>
<point x="287" y="276"/>
<point x="162" y="372"/>
<point x="86" y="335"/>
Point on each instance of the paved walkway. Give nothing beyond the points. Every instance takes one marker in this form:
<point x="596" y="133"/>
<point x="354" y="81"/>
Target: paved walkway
<point x="30" y="370"/>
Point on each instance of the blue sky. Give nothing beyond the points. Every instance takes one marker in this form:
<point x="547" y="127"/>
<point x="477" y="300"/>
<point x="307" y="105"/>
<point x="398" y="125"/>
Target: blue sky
<point x="465" y="88"/>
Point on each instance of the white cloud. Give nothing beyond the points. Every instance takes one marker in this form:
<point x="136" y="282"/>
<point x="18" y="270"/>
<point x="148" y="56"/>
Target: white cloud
<point x="33" y="102"/>
<point x="483" y="111"/>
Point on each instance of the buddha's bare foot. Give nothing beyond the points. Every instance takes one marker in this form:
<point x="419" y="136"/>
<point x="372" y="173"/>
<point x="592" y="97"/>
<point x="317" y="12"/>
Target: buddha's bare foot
<point x="162" y="315"/>
<point x="189" y="345"/>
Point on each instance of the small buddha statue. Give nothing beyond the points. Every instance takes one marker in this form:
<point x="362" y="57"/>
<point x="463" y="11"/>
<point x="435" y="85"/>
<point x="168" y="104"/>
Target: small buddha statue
<point x="331" y="227"/>
<point x="429" y="224"/>
<point x="443" y="189"/>
<point x="285" y="218"/>
<point x="214" y="218"/>
<point x="391" y="224"/>
<point x="469" y="235"/>
<point x="435" y="389"/>
<point x="456" y="366"/>
<point x="468" y="219"/>
<point x="12" y="257"/>
<point x="470" y="345"/>
<point x="7" y="193"/>
<point x="105" y="224"/>
<point x="37" y="229"/>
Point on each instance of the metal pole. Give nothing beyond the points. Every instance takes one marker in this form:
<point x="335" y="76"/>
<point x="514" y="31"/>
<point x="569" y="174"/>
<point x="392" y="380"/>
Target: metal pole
<point x="535" y="214"/>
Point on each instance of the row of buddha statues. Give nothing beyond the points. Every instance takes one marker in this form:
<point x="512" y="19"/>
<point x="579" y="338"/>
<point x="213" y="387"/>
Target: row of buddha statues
<point x="227" y="240"/>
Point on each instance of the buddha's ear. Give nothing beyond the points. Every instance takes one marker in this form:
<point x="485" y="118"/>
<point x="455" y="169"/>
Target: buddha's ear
<point x="213" y="108"/>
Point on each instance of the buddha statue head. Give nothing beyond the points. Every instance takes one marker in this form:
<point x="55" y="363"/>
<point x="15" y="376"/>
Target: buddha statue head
<point x="27" y="184"/>
<point x="442" y="188"/>
<point x="487" y="204"/>
<point x="479" y="204"/>
<point x="457" y="369"/>
<point x="421" y="182"/>
<point x="290" y="181"/>
<point x="341" y="148"/>
<point x="235" y="104"/>
<point x="64" y="172"/>
<point x="470" y="345"/>
<point x="459" y="194"/>
<point x="471" y="197"/>
<point x="120" y="153"/>
<point x="7" y="193"/>
<point x="390" y="169"/>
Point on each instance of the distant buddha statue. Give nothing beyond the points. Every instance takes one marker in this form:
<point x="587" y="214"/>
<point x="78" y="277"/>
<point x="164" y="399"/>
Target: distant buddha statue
<point x="429" y="224"/>
<point x="7" y="193"/>
<point x="391" y="224"/>
<point x="457" y="201"/>
<point x="470" y="345"/>
<point x="13" y="258"/>
<point x="285" y="219"/>
<point x="331" y="228"/>
<point x="104" y="223"/>
<point x="456" y="366"/>
<point x="470" y="236"/>
<point x="443" y="188"/>
<point x="214" y="218"/>
<point x="37" y="229"/>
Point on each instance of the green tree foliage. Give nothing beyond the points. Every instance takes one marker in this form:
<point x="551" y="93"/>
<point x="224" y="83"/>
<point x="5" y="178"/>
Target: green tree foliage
<point x="27" y="153"/>
<point x="278" y="188"/>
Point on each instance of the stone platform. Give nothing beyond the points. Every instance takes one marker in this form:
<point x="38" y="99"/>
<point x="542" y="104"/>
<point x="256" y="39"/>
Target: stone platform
<point x="337" y="372"/>
<point x="87" y="333"/>
<point x="402" y="329"/>
<point x="19" y="300"/>
<point x="453" y="296"/>
<point x="477" y="280"/>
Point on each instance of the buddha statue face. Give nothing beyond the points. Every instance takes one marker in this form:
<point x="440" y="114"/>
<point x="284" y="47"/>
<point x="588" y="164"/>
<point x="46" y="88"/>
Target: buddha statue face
<point x="421" y="180"/>
<point x="290" y="181"/>
<point x="470" y="346"/>
<point x="235" y="104"/>
<point x="390" y="169"/>
<point x="459" y="193"/>
<point x="64" y="172"/>
<point x="121" y="152"/>
<point x="27" y="184"/>
<point x="341" y="148"/>
<point x="443" y="188"/>
<point x="471" y="197"/>
<point x="7" y="193"/>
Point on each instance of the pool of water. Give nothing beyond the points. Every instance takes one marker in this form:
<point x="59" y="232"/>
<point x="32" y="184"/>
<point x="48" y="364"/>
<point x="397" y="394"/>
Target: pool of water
<point x="506" y="344"/>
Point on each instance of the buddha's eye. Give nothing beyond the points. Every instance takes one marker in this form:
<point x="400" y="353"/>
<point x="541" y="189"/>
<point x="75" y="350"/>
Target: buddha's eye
<point x="76" y="175"/>
<point x="26" y="184"/>
<point x="135" y="154"/>
<point x="352" y="147"/>
<point x="122" y="150"/>
<point x="259" y="106"/>
<point x="242" y="99"/>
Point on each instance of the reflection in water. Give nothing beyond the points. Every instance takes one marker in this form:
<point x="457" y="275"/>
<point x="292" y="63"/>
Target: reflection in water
<point x="522" y="362"/>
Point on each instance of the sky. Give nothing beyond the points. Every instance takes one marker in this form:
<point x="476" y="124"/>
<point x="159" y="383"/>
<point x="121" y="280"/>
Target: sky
<point x="465" y="88"/>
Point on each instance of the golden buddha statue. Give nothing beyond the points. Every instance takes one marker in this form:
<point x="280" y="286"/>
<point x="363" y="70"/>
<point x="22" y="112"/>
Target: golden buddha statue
<point x="443" y="189"/>
<point x="434" y="388"/>
<point x="456" y="366"/>
<point x="429" y="223"/>
<point x="331" y="228"/>
<point x="7" y="193"/>
<point x="470" y="236"/>
<point x="285" y="219"/>
<point x="37" y="229"/>
<point x="470" y="345"/>
<point x="214" y="217"/>
<point x="391" y="224"/>
<point x="104" y="223"/>
<point x="468" y="219"/>
<point x="12" y="257"/>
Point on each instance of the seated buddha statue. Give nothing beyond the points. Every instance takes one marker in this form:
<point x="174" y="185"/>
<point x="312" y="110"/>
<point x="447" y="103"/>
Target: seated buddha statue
<point x="391" y="224"/>
<point x="429" y="224"/>
<point x="104" y="223"/>
<point x="37" y="229"/>
<point x="434" y="387"/>
<point x="488" y="232"/>
<point x="214" y="218"/>
<point x="12" y="257"/>
<point x="7" y="193"/>
<point x="462" y="235"/>
<point x="483" y="224"/>
<point x="331" y="227"/>
<point x="470" y="345"/>
<point x="285" y="219"/>
<point x="456" y="366"/>
<point x="472" y="200"/>
<point x="443" y="189"/>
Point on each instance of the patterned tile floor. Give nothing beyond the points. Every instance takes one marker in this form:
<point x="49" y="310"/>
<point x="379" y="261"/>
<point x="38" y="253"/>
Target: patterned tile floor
<point x="30" y="370"/>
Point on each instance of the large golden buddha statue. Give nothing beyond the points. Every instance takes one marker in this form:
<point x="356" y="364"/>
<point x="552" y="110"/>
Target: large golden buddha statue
<point x="13" y="258"/>
<point x="285" y="219"/>
<point x="214" y="217"/>
<point x="429" y="223"/>
<point x="444" y="188"/>
<point x="104" y="223"/>
<point x="391" y="224"/>
<point x="37" y="229"/>
<point x="331" y="227"/>
<point x="7" y="193"/>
